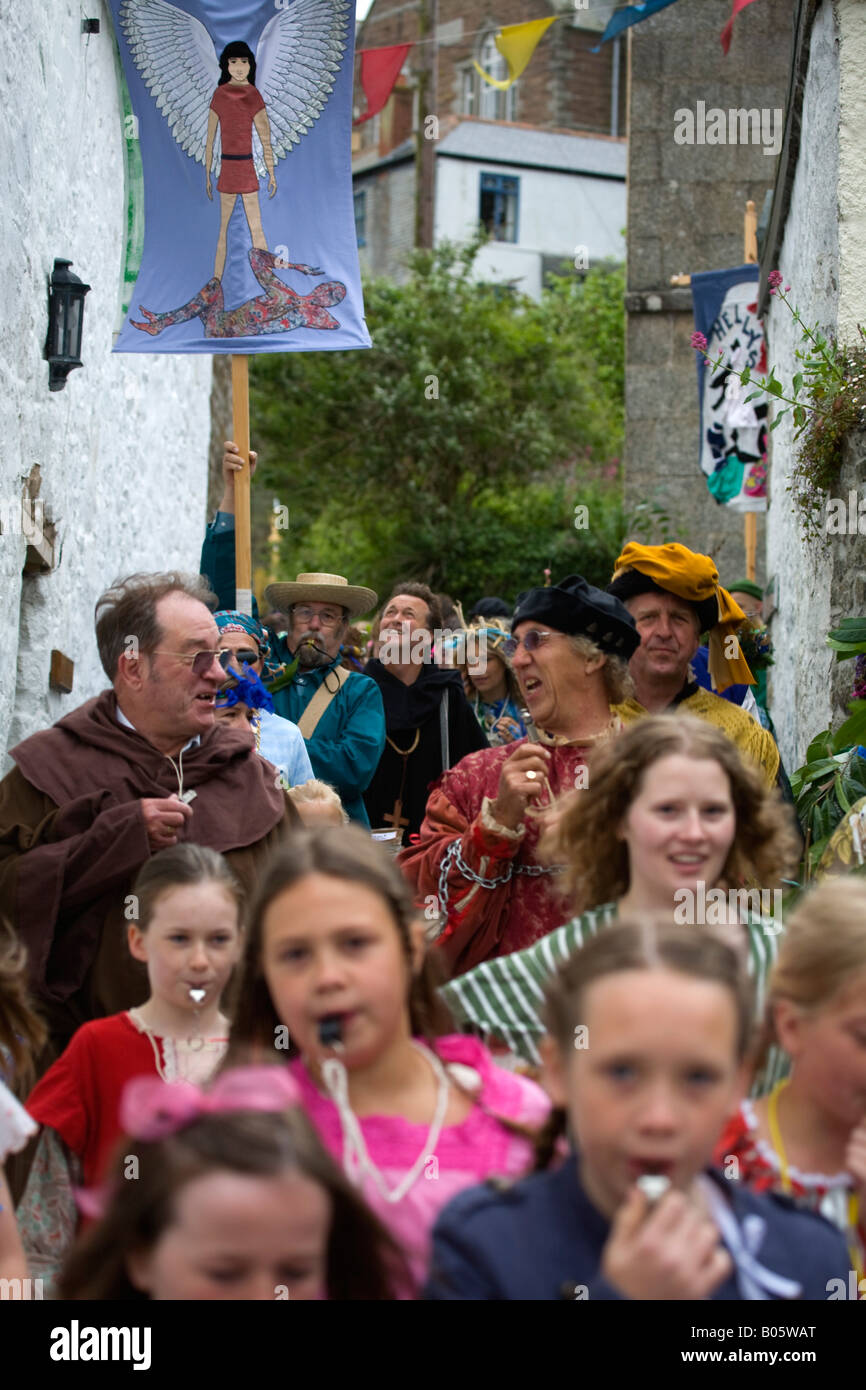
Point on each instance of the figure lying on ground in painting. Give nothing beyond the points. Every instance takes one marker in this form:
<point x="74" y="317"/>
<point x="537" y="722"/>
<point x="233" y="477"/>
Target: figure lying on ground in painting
<point x="278" y="310"/>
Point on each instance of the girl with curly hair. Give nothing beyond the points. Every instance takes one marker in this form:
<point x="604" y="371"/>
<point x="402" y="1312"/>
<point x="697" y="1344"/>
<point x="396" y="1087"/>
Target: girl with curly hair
<point x="673" y="820"/>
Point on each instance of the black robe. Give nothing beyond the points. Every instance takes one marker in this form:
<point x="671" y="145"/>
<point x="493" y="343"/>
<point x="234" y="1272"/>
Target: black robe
<point x="416" y="707"/>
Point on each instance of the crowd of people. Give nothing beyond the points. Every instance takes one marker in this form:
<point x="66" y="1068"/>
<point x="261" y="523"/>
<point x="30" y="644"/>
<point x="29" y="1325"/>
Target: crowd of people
<point x="444" y="958"/>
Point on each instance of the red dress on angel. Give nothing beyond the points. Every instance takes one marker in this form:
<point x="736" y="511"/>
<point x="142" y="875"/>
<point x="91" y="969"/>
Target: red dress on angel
<point x="237" y="106"/>
<point x="493" y="894"/>
<point x="759" y="1168"/>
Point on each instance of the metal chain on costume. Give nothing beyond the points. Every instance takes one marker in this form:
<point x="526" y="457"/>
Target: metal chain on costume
<point x="453" y="853"/>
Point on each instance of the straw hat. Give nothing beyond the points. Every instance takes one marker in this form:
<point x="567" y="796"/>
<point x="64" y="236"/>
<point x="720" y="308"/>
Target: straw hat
<point x="321" y="588"/>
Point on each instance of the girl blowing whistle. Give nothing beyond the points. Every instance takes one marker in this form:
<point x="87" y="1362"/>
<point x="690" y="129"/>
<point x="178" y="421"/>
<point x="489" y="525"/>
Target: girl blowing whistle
<point x="188" y="936"/>
<point x="335" y="971"/>
<point x="650" y="1024"/>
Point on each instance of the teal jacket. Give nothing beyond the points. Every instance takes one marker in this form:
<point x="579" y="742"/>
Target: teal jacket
<point x="349" y="738"/>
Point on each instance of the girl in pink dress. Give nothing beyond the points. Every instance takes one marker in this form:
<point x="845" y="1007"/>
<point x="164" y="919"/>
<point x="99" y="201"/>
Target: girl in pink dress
<point x="336" y="973"/>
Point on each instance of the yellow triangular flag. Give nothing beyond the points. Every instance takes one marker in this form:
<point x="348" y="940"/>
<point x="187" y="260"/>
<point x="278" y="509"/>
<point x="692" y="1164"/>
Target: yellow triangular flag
<point x="516" y="43"/>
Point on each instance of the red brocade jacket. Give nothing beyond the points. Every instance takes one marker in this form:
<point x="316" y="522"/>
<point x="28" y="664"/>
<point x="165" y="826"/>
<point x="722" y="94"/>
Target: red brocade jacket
<point x="490" y="889"/>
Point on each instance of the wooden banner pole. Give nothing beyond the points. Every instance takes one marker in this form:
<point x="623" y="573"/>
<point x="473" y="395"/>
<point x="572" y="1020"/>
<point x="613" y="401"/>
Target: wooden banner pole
<point x="750" y="257"/>
<point x="241" y="430"/>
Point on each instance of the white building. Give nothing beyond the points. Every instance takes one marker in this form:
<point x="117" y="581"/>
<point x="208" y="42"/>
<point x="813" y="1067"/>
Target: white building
<point x="118" y="459"/>
<point x="547" y="197"/>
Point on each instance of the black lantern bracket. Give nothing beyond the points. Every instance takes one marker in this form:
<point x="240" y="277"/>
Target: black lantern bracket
<point x="65" y="323"/>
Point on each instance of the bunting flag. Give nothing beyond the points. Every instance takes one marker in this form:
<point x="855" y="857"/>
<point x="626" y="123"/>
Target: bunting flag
<point x="632" y="14"/>
<point x="380" y="68"/>
<point x="242" y="110"/>
<point x="516" y="43"/>
<point x="733" y="450"/>
<point x="729" y="27"/>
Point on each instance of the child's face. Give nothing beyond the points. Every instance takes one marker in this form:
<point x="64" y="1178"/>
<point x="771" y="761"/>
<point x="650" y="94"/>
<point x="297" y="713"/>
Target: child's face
<point x="654" y="1082"/>
<point x="237" y="717"/>
<point x="235" y="1236"/>
<point x="487" y="675"/>
<point x="193" y="942"/>
<point x="828" y="1048"/>
<point x="332" y="947"/>
<point x="680" y="827"/>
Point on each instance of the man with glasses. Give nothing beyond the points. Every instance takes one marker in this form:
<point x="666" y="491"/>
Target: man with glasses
<point x="338" y="712"/>
<point x="477" y="855"/>
<point x="134" y="771"/>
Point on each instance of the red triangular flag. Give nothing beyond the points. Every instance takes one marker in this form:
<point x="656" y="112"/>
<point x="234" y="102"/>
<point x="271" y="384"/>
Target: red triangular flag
<point x="729" y="27"/>
<point x="380" y="68"/>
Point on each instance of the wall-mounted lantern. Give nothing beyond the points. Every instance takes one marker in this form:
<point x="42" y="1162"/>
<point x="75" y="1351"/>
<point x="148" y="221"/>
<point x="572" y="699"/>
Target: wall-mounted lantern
<point x="65" y="323"/>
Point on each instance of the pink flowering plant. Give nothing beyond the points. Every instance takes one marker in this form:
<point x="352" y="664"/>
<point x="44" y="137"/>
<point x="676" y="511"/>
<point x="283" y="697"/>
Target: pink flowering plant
<point x="827" y="400"/>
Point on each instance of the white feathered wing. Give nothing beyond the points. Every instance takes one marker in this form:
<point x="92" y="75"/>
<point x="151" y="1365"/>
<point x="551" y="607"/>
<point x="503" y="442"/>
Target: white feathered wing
<point x="297" y="58"/>
<point x="177" y="60"/>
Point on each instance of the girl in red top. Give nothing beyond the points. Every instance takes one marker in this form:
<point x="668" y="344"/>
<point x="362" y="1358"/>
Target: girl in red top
<point x="187" y="933"/>
<point x="808" y="1137"/>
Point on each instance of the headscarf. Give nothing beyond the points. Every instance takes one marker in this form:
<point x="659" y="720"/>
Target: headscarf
<point x="230" y="620"/>
<point x="245" y="690"/>
<point x="675" y="569"/>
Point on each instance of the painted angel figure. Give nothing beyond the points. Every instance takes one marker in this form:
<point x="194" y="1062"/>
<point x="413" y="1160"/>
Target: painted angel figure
<point x="240" y="113"/>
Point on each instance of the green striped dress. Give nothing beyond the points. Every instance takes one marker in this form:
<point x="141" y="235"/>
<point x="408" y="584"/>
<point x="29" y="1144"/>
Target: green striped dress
<point x="504" y="997"/>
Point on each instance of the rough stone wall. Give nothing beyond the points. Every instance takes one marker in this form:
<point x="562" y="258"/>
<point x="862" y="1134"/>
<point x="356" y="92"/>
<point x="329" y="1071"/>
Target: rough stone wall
<point x="823" y="259"/>
<point x="685" y="213"/>
<point x="122" y="451"/>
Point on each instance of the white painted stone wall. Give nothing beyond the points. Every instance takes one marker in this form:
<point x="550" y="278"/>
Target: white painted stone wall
<point x="123" y="449"/>
<point x="823" y="258"/>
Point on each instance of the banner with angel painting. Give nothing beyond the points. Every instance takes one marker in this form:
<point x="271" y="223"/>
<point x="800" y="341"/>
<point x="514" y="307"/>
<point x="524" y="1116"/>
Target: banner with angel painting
<point x="243" y="111"/>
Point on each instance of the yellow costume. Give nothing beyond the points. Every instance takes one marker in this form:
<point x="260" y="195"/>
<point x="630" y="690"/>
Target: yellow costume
<point x="753" y="742"/>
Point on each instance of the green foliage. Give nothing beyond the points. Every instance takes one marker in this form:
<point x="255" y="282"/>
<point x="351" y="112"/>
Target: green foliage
<point x="849" y="639"/>
<point x="456" y="449"/>
<point x="827" y="401"/>
<point x="833" y="776"/>
<point x="834" y="404"/>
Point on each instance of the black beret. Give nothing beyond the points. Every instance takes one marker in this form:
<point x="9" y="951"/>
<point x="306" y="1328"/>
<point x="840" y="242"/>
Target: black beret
<point x="575" y="607"/>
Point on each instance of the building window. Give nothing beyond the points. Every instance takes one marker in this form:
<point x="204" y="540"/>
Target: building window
<point x="361" y="216"/>
<point x="477" y="97"/>
<point x="498" y="209"/>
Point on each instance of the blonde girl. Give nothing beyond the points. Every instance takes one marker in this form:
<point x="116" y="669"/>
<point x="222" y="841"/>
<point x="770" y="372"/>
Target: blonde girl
<point x="650" y="1027"/>
<point x="807" y="1139"/>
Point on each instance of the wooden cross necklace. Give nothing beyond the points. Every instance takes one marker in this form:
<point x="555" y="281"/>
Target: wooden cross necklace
<point x="396" y="818"/>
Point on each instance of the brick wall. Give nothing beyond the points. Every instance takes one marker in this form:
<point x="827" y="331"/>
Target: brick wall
<point x="564" y="86"/>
